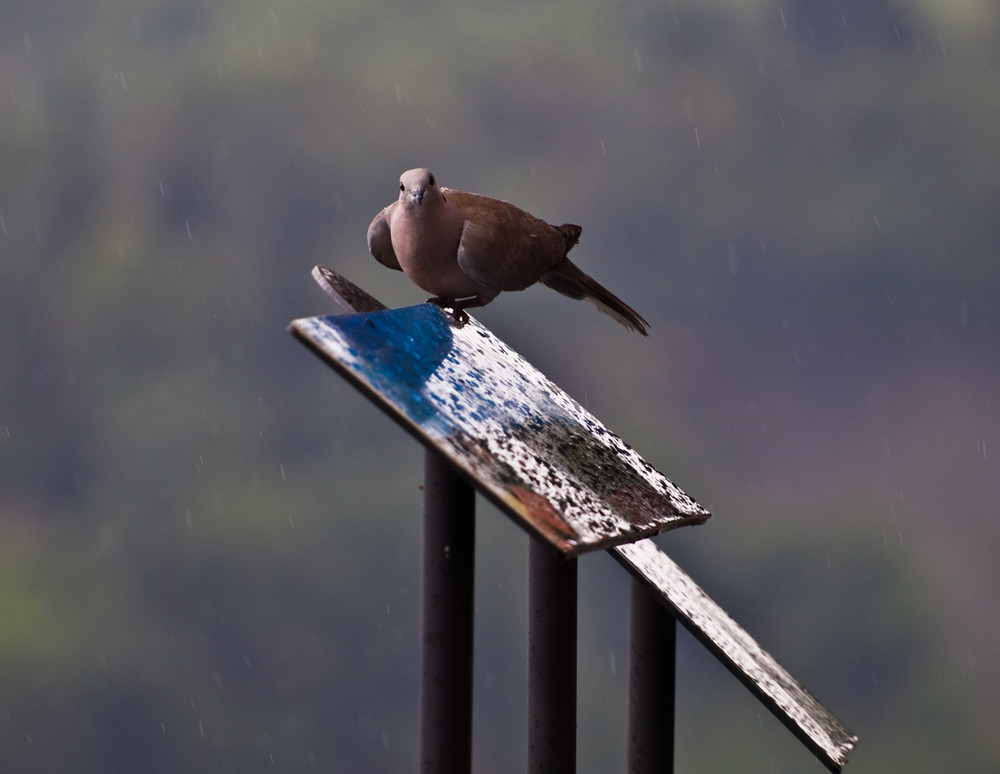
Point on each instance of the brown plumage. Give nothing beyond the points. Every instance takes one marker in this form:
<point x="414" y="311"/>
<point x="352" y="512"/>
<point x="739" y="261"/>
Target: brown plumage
<point x="466" y="249"/>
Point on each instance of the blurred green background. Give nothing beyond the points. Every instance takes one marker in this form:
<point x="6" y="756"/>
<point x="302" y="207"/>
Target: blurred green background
<point x="209" y="543"/>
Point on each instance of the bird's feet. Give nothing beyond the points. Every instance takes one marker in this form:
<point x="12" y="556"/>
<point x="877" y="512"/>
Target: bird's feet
<point x="455" y="307"/>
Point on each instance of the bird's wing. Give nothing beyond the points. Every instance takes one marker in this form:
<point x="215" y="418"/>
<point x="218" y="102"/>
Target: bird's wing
<point x="380" y="240"/>
<point x="502" y="246"/>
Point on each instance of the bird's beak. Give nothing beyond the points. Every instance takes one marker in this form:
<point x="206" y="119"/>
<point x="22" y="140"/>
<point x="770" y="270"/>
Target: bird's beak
<point x="417" y="194"/>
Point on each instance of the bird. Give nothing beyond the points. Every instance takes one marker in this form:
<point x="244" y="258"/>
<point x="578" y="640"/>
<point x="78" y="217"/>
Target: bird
<point x="466" y="249"/>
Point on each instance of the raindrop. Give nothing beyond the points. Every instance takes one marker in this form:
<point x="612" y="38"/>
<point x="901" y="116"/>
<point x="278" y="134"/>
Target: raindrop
<point x="637" y="60"/>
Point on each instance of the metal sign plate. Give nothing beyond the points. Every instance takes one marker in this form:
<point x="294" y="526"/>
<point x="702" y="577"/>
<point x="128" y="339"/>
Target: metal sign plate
<point x="523" y="441"/>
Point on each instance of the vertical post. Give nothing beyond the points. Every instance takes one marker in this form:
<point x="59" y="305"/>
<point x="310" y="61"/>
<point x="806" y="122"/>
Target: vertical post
<point x="448" y="597"/>
<point x="651" y="685"/>
<point x="552" y="583"/>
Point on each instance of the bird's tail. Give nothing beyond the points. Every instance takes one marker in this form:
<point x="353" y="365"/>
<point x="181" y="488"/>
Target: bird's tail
<point x="567" y="278"/>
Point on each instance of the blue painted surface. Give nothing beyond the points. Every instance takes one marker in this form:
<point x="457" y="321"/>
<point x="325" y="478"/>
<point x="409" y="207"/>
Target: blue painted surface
<point x="396" y="352"/>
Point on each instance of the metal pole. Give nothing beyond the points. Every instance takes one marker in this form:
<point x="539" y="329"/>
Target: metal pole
<point x="448" y="592"/>
<point x="552" y="582"/>
<point x="651" y="685"/>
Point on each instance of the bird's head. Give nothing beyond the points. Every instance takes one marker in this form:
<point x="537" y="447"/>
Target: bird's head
<point x="417" y="187"/>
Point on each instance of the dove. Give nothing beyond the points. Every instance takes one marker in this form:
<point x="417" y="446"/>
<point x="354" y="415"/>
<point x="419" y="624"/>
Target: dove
<point x="466" y="249"/>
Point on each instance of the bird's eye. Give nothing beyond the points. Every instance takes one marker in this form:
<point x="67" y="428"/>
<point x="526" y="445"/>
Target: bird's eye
<point x="432" y="180"/>
<point x="402" y="187"/>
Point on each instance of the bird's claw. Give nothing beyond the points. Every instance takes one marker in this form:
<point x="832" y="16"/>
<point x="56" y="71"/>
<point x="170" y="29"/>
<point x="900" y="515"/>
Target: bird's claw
<point x="452" y="308"/>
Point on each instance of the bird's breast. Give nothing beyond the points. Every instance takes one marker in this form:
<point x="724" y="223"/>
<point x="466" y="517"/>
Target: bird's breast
<point x="426" y="244"/>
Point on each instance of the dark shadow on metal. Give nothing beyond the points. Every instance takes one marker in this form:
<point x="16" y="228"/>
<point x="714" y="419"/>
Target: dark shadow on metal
<point x="448" y="611"/>
<point x="552" y="583"/>
<point x="651" y="680"/>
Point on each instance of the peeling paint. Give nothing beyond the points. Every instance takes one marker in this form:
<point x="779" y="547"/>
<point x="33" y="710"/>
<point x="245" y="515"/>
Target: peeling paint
<point x="527" y="444"/>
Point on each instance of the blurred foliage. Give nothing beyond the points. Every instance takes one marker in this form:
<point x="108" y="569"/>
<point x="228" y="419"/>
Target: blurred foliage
<point x="208" y="544"/>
